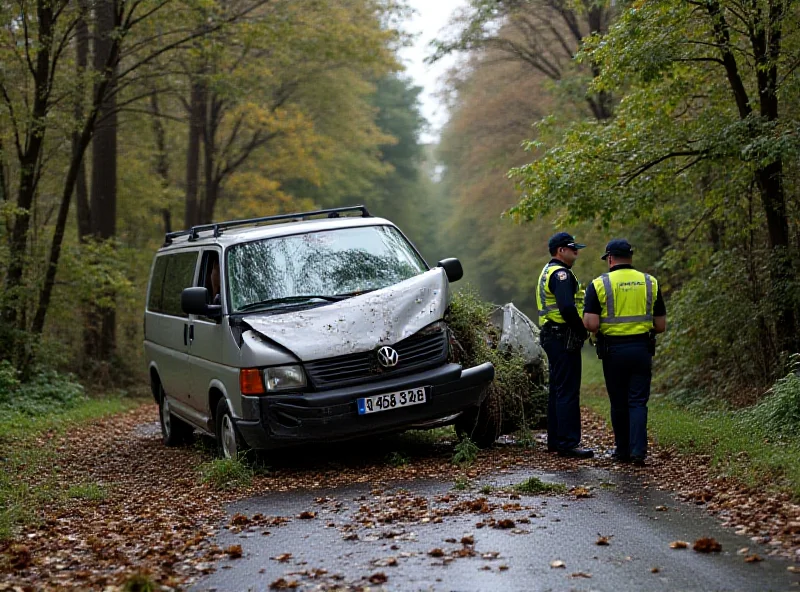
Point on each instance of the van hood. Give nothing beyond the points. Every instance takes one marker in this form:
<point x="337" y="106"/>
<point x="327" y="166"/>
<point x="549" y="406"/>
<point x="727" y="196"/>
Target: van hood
<point x="360" y="323"/>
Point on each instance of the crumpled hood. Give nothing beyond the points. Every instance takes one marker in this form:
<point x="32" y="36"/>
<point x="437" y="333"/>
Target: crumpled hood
<point x="360" y="323"/>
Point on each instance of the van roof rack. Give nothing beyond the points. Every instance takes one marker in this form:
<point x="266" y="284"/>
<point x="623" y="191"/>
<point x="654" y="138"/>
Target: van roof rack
<point x="194" y="232"/>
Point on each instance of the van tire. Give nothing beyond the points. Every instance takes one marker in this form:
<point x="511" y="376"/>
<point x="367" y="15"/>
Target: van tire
<point x="483" y="424"/>
<point x="230" y="443"/>
<point x="174" y="431"/>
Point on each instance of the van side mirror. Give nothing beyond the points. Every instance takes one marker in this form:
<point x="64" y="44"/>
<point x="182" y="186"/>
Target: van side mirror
<point x="194" y="301"/>
<point x="452" y="267"/>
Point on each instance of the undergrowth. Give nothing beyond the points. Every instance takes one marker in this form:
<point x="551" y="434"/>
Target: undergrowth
<point x="47" y="392"/>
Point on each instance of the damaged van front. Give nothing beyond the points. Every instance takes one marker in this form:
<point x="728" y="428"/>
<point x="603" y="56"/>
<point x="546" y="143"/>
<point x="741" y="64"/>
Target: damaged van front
<point x="323" y="329"/>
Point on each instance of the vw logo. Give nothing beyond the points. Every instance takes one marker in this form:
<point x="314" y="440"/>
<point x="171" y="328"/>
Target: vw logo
<point x="387" y="357"/>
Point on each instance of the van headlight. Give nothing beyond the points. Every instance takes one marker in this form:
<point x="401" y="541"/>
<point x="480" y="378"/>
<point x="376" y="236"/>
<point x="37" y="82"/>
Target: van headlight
<point x="281" y="378"/>
<point x="433" y="328"/>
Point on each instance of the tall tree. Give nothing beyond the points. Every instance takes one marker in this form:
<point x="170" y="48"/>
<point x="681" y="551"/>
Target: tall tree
<point x="707" y="84"/>
<point x="33" y="87"/>
<point x="543" y="35"/>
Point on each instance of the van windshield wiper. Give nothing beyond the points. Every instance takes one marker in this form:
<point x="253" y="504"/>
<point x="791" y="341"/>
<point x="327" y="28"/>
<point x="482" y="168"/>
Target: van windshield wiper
<point x="288" y="300"/>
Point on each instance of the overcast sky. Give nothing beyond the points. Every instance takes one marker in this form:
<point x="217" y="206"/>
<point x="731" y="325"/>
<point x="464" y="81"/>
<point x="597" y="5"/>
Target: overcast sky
<point x="430" y="18"/>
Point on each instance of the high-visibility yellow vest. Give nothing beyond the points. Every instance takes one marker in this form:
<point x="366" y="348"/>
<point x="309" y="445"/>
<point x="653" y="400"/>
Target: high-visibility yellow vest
<point x="627" y="298"/>
<point x="546" y="300"/>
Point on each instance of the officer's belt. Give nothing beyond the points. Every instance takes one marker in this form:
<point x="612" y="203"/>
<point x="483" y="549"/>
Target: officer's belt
<point x="553" y="327"/>
<point x="640" y="338"/>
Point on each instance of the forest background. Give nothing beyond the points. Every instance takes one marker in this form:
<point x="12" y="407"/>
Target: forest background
<point x="672" y="123"/>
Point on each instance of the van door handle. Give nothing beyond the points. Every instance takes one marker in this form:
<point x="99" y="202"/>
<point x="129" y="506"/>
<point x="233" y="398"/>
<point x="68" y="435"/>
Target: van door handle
<point x="185" y="333"/>
<point x="191" y="334"/>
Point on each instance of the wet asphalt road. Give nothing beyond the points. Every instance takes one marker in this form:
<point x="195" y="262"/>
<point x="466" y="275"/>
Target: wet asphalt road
<point x="546" y="529"/>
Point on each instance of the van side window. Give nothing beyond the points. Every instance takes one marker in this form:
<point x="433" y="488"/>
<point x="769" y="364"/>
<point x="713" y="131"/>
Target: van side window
<point x="209" y="276"/>
<point x="157" y="285"/>
<point x="179" y="275"/>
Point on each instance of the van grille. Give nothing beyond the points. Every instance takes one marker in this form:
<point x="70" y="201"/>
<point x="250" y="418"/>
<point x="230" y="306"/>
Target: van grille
<point x="414" y="353"/>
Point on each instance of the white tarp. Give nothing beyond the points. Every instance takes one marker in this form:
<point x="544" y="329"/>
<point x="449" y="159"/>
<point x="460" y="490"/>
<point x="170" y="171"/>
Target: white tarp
<point x="360" y="323"/>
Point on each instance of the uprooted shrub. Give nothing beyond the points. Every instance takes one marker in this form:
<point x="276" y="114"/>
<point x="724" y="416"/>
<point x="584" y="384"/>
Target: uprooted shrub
<point x="518" y="395"/>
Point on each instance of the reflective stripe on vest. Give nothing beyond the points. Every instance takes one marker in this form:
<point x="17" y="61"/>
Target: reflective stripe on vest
<point x="614" y="323"/>
<point x="546" y="300"/>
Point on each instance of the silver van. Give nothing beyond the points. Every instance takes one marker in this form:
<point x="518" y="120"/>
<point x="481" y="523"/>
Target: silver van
<point x="309" y="327"/>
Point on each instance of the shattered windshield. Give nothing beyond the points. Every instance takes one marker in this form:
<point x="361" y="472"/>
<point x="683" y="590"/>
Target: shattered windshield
<point x="318" y="267"/>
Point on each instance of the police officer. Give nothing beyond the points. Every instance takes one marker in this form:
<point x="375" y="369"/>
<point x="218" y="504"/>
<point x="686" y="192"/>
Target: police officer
<point x="625" y="308"/>
<point x="562" y="337"/>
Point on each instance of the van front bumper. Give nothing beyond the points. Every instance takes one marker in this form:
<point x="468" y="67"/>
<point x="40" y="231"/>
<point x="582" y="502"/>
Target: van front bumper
<point x="333" y="415"/>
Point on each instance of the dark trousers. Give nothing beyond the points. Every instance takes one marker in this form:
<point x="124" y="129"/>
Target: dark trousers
<point x="627" y="368"/>
<point x="563" y="404"/>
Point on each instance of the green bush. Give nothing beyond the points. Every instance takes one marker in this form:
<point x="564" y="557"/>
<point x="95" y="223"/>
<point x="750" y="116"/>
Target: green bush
<point x="520" y="388"/>
<point x="720" y="340"/>
<point x="47" y="392"/>
<point x="779" y="412"/>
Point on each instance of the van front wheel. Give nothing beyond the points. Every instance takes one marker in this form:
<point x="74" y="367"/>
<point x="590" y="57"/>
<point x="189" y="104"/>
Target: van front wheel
<point x="229" y="440"/>
<point x="174" y="432"/>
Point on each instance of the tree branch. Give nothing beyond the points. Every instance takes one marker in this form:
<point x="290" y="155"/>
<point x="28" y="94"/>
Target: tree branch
<point x="628" y="178"/>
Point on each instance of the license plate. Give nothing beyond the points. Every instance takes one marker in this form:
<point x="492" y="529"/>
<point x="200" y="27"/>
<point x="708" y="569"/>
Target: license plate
<point x="390" y="401"/>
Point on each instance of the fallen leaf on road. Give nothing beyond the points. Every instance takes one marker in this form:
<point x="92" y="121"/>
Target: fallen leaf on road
<point x="580" y="492"/>
<point x="234" y="551"/>
<point x="661" y="508"/>
<point x="752" y="559"/>
<point x="558" y="564"/>
<point x="378" y="578"/>
<point x="505" y="523"/>
<point x="283" y="584"/>
<point x="20" y="557"/>
<point x="580" y="574"/>
<point x="603" y="541"/>
<point x="490" y="555"/>
<point x="678" y="545"/>
<point x="307" y="515"/>
<point x="743" y="551"/>
<point x="437" y="552"/>
<point x="239" y="519"/>
<point x="707" y="545"/>
<point x="793" y="569"/>
<point x="468" y="540"/>
<point x="502" y="567"/>
<point x="283" y="557"/>
<point x="654" y="570"/>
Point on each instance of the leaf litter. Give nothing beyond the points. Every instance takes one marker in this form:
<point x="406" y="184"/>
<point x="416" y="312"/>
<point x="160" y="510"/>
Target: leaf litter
<point x="140" y="531"/>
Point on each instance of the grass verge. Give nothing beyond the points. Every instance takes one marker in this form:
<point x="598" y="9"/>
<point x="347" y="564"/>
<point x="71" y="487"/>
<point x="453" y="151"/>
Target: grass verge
<point x="226" y="473"/>
<point x="28" y="481"/>
<point x="737" y="447"/>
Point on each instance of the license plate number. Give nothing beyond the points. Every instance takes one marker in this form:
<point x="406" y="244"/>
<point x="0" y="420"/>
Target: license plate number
<point x="390" y="401"/>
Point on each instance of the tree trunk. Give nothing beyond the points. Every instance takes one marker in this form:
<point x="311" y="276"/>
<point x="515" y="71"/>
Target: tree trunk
<point x="13" y="317"/>
<point x="197" y="118"/>
<point x="81" y="62"/>
<point x="100" y="337"/>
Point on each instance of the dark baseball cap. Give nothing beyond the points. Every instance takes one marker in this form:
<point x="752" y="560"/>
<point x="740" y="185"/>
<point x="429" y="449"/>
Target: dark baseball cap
<point x="563" y="239"/>
<point x="618" y="247"/>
